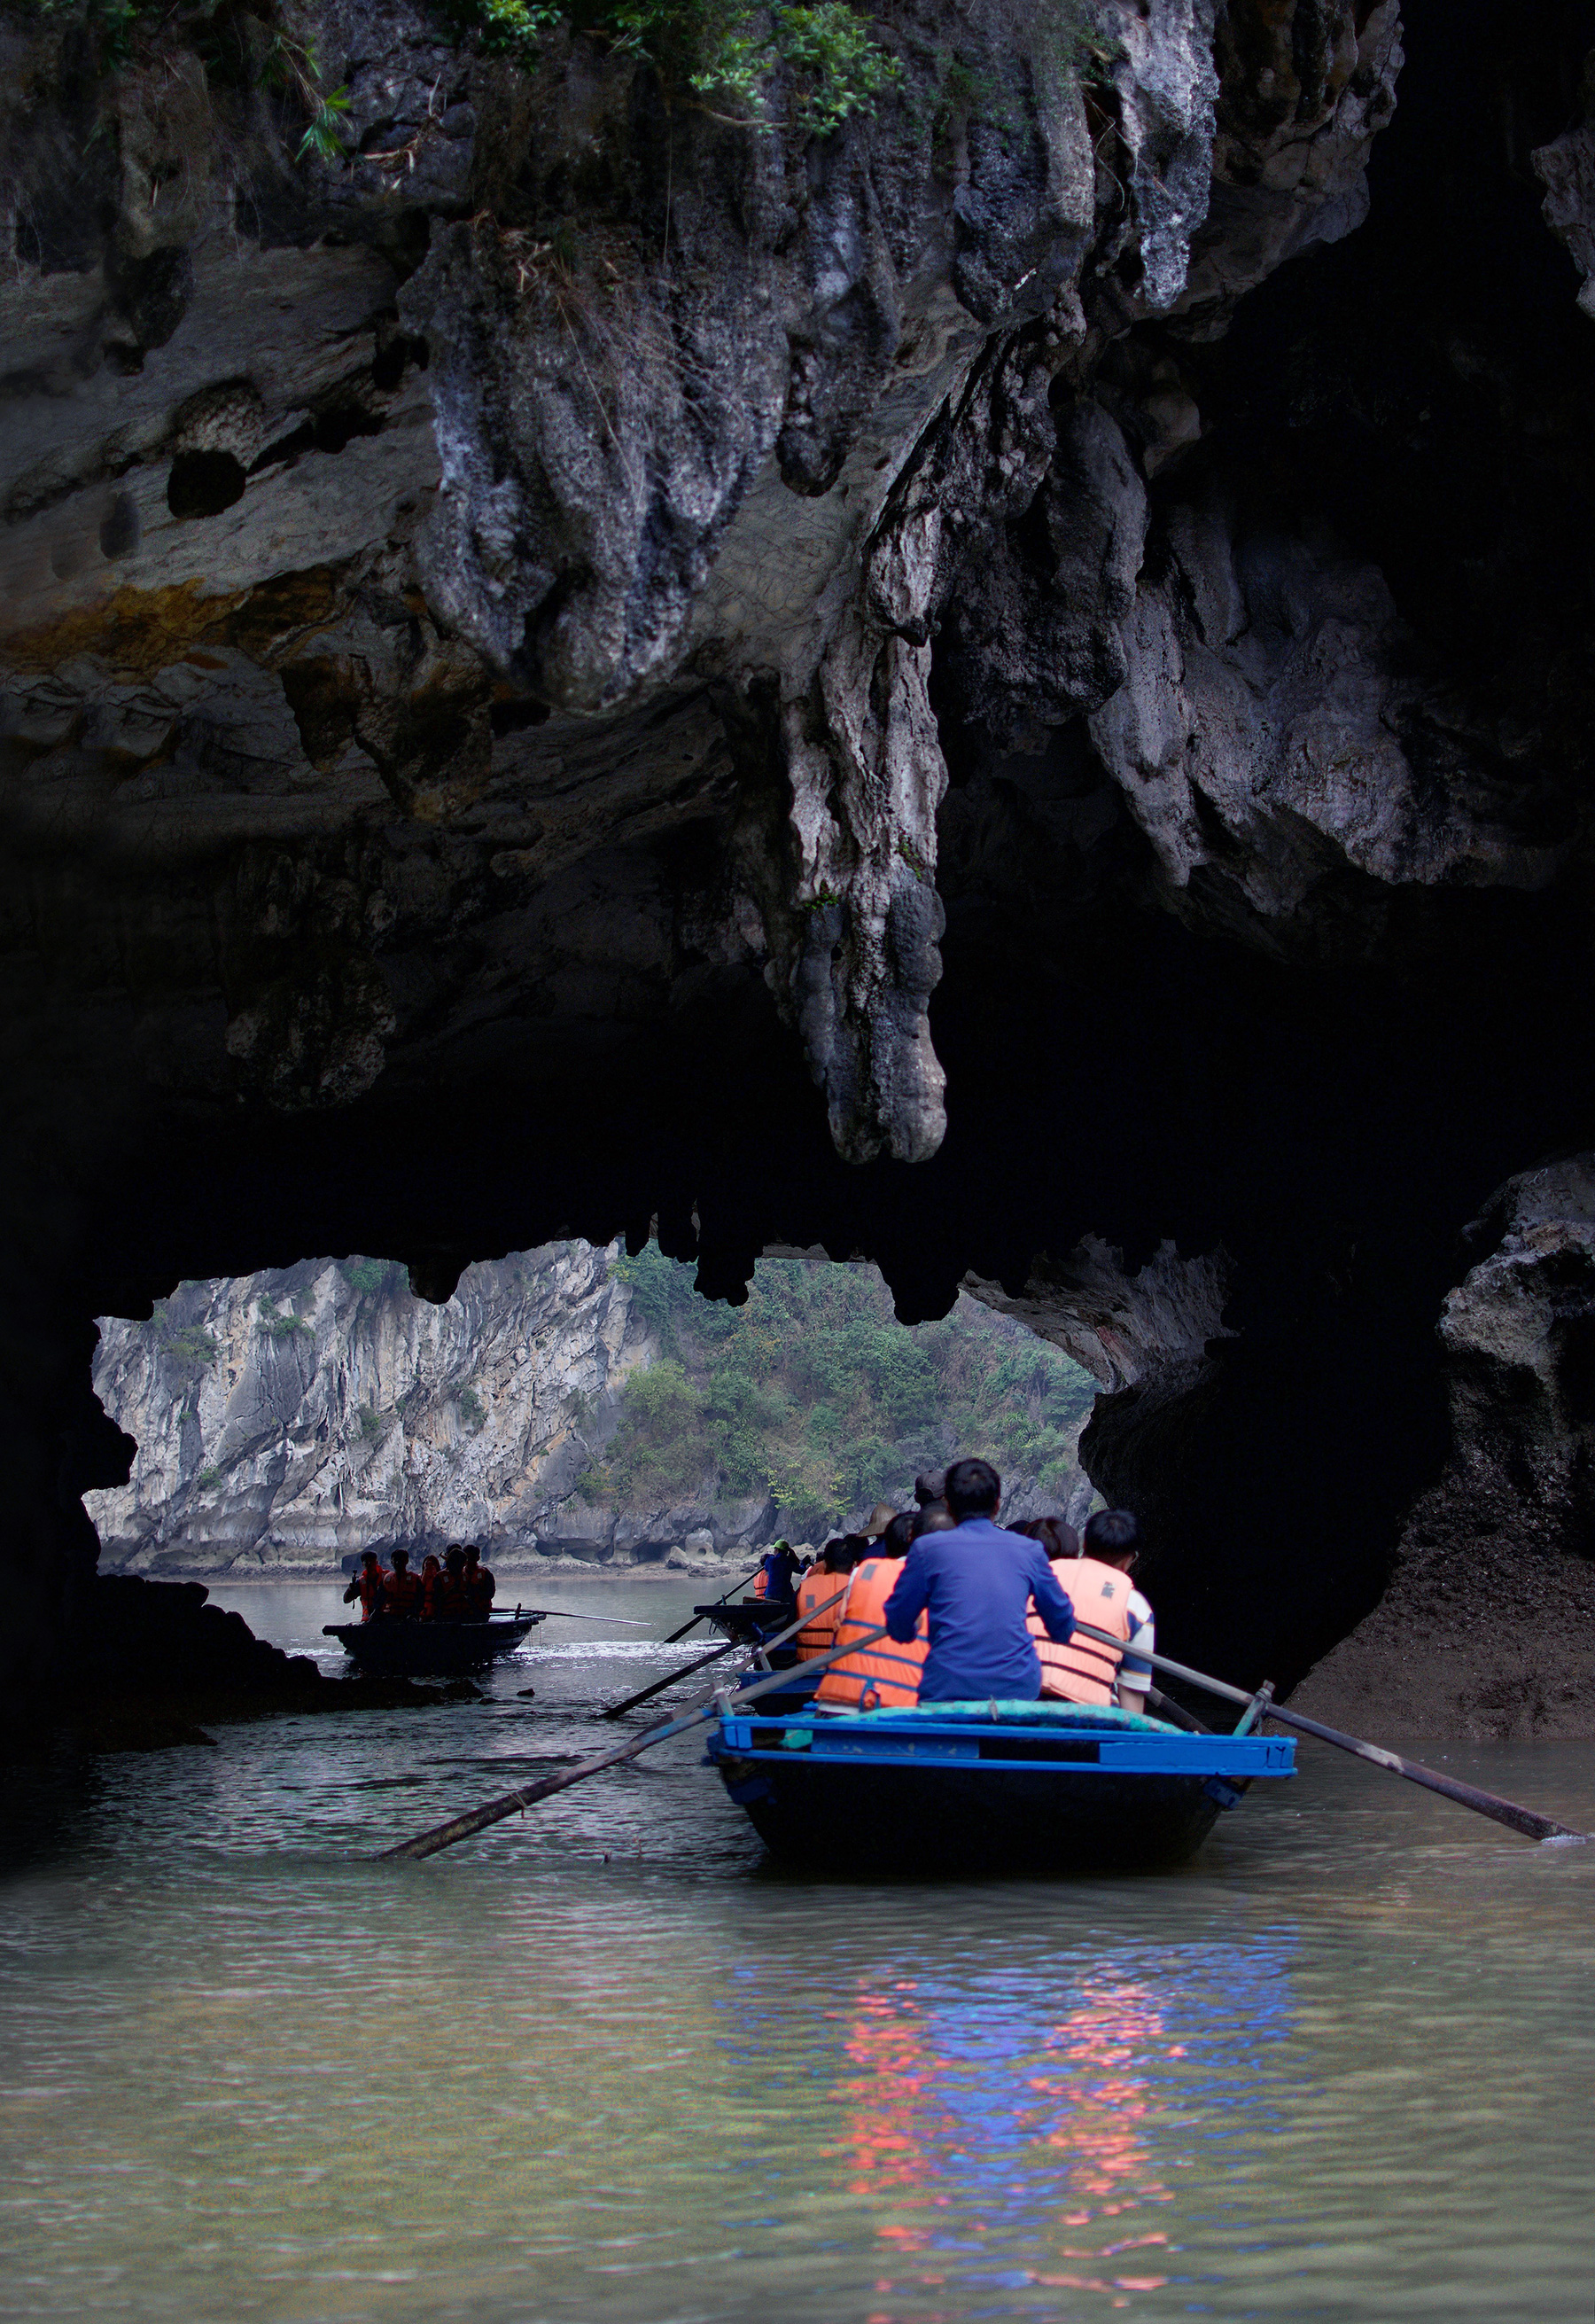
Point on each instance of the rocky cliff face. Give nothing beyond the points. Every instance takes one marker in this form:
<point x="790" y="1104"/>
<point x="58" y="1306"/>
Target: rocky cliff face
<point x="283" y="1419"/>
<point x="523" y="647"/>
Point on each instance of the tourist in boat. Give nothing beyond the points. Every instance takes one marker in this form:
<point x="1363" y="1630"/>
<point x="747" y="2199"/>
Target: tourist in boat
<point x="367" y="1585"/>
<point x="452" y="1603"/>
<point x="401" y="1590"/>
<point x="775" y="1576"/>
<point x="480" y="1585"/>
<point x="884" y="1674"/>
<point x="974" y="1588"/>
<point x="827" y="1576"/>
<point x="431" y="1575"/>
<point x="1083" y="1670"/>
<point x="1113" y="1537"/>
<point x="930" y="1490"/>
<point x="1057" y="1536"/>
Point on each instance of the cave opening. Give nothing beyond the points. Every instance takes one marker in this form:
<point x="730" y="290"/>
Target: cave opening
<point x="568" y="1408"/>
<point x="477" y="973"/>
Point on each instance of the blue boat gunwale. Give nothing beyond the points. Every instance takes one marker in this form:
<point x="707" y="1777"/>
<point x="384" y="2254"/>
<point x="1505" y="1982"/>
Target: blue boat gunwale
<point x="966" y="1742"/>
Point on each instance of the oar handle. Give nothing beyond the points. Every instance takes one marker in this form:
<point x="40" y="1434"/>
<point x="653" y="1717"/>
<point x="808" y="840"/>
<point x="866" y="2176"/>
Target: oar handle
<point x="1527" y="1821"/>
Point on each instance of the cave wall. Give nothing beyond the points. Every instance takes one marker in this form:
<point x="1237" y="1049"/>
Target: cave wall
<point x="1059" y="616"/>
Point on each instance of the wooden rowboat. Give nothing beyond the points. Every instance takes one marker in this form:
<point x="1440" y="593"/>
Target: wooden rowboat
<point x="749" y="1620"/>
<point x="404" y="1648"/>
<point x="1004" y="1787"/>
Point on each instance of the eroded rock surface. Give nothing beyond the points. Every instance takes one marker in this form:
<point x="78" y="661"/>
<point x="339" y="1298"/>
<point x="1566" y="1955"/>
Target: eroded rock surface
<point x="1485" y="1627"/>
<point x="1067" y="603"/>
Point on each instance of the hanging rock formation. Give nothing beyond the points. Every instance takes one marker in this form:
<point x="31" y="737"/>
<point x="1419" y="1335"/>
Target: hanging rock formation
<point x="1059" y="611"/>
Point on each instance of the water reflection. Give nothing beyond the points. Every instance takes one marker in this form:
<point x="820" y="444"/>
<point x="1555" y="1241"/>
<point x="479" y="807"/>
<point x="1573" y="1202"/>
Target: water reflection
<point x="594" y="2071"/>
<point x="1012" y="2131"/>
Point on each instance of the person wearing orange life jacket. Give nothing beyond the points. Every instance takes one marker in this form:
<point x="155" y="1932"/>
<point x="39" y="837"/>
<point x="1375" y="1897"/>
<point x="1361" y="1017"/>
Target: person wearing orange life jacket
<point x="480" y="1585"/>
<point x="431" y="1575"/>
<point x="1098" y="1582"/>
<point x="826" y="1578"/>
<point x="367" y="1585"/>
<point x="402" y="1590"/>
<point x="453" y="1606"/>
<point x="884" y="1675"/>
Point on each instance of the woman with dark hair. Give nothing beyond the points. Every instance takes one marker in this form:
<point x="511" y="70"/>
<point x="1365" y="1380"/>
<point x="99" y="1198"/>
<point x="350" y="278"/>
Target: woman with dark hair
<point x="1057" y="1536"/>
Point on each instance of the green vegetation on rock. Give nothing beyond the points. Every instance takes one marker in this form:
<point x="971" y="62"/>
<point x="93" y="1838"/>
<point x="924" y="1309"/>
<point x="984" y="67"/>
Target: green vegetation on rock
<point x="815" y="1393"/>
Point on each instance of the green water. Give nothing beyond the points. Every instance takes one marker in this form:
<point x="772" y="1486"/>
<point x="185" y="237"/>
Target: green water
<point x="602" y="2064"/>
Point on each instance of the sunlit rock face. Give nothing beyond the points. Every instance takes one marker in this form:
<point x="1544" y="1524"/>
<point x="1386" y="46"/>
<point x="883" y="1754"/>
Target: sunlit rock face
<point x="284" y="1420"/>
<point x="1060" y="612"/>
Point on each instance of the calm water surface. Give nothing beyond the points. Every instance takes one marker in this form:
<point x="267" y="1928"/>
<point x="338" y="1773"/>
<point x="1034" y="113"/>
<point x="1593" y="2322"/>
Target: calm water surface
<point x="600" y="2066"/>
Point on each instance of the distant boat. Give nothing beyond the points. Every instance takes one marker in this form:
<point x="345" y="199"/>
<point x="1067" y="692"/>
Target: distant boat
<point x="396" y="1647"/>
<point x="1005" y="1787"/>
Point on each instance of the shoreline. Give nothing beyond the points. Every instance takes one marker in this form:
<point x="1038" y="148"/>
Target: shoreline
<point x="727" y="1573"/>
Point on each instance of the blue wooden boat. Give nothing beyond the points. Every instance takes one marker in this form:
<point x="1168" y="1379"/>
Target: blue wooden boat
<point x="1004" y="1788"/>
<point x="404" y="1647"/>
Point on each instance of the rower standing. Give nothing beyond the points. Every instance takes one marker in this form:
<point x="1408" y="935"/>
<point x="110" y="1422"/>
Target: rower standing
<point x="976" y="1585"/>
<point x="367" y="1585"/>
<point x="480" y="1585"/>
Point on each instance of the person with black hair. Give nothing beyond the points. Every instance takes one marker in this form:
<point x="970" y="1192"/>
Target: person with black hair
<point x="976" y="1585"/>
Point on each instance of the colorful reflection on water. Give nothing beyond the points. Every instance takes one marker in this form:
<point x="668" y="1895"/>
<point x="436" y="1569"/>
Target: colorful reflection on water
<point x="604" y="2067"/>
<point x="1027" y="2117"/>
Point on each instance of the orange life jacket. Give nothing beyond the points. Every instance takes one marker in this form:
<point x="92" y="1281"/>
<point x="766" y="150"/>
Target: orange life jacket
<point x="453" y="1603"/>
<point x="881" y="1675"/>
<point x="480" y="1587"/>
<point x="403" y="1592"/>
<point x="1084" y="1671"/>
<point x="761" y="1583"/>
<point x="429" y="1595"/>
<point x="818" y="1634"/>
<point x="371" y="1578"/>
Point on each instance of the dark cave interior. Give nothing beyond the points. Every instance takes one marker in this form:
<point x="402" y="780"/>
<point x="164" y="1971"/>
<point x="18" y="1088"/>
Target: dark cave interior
<point x="1331" y="1111"/>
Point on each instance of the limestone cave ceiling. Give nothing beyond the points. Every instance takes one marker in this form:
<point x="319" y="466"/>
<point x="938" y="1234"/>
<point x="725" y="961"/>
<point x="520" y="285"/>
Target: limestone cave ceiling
<point x="1060" y="615"/>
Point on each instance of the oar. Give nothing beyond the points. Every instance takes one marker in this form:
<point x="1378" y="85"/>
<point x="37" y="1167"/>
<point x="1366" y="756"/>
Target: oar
<point x="1527" y="1821"/>
<point x="673" y="1678"/>
<point x="445" y="1835"/>
<point x="565" y="1615"/>
<point x="677" y="1636"/>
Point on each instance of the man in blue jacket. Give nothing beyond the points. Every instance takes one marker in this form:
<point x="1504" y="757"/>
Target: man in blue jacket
<point x="976" y="1584"/>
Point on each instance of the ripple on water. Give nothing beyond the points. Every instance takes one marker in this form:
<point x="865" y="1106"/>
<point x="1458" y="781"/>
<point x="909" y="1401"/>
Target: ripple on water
<point x="604" y="2063"/>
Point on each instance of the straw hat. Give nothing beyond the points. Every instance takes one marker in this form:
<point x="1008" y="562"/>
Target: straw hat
<point x="880" y="1517"/>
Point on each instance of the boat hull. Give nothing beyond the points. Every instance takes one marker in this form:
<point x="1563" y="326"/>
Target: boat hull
<point x="410" y="1649"/>
<point x="1004" y="1796"/>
